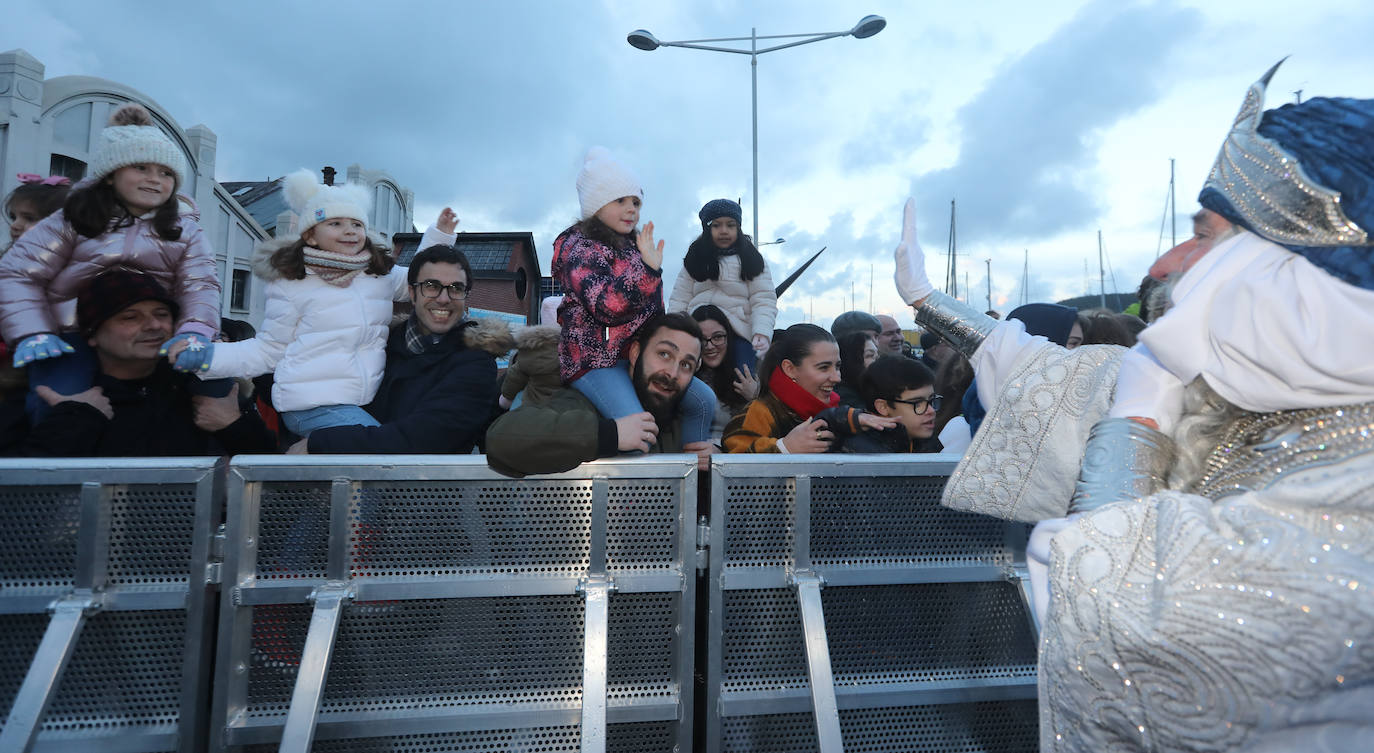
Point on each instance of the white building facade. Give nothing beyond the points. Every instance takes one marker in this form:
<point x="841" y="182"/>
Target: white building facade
<point x="51" y="127"/>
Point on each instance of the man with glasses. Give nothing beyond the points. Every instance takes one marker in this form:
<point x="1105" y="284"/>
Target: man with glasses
<point x="438" y="392"/>
<point x="901" y="388"/>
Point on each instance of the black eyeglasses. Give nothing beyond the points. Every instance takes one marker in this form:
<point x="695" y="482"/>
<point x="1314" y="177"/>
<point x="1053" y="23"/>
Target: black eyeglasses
<point x="718" y="339"/>
<point x="918" y="406"/>
<point x="430" y="289"/>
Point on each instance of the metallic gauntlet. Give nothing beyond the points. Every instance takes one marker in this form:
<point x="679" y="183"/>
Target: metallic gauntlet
<point x="962" y="325"/>
<point x="1123" y="460"/>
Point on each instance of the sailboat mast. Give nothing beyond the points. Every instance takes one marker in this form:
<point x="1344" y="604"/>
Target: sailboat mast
<point x="1173" y="209"/>
<point x="951" y="278"/>
<point x="989" y="263"/>
<point x="1101" y="273"/>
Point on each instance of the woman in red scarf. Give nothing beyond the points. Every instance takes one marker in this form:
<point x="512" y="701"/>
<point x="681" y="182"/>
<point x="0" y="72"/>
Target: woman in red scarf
<point x="797" y="409"/>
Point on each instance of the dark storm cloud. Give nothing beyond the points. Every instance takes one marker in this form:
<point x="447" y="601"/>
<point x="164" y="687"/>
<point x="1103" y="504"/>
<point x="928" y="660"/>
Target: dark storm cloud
<point x="1025" y="164"/>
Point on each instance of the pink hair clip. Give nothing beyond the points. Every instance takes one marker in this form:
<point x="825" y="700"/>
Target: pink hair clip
<point x="51" y="180"/>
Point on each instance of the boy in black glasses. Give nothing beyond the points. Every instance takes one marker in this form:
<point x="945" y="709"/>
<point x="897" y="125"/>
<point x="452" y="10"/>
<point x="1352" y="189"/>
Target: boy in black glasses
<point x="904" y="389"/>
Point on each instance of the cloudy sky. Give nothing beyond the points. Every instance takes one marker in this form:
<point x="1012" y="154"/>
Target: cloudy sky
<point x="1045" y="121"/>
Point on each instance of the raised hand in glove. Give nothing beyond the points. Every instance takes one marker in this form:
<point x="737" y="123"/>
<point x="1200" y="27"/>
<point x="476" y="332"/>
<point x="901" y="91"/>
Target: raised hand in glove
<point x="912" y="283"/>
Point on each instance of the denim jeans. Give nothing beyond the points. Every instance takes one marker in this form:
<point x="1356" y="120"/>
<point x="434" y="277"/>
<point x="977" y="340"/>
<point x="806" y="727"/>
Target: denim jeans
<point x="65" y="375"/>
<point x="613" y="394"/>
<point x="742" y="354"/>
<point x="302" y="422"/>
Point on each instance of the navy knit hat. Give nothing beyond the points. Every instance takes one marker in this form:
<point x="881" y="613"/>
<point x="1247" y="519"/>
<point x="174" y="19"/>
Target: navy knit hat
<point x="717" y="208"/>
<point x="115" y="291"/>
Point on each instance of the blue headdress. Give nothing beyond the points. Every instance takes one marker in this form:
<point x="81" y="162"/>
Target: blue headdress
<point x="1302" y="176"/>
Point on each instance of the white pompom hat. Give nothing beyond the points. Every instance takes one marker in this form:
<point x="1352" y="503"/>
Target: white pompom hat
<point x="604" y="179"/>
<point x="314" y="202"/>
<point x="131" y="138"/>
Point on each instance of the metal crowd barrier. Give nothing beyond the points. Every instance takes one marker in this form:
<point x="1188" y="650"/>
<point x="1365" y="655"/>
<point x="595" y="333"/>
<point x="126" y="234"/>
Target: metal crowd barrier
<point x="850" y="611"/>
<point x="104" y="588"/>
<point x="427" y="603"/>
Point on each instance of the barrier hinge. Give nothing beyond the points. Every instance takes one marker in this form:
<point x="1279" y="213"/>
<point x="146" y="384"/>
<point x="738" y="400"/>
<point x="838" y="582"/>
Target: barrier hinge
<point x="703" y="544"/>
<point x="214" y="568"/>
<point x="82" y="600"/>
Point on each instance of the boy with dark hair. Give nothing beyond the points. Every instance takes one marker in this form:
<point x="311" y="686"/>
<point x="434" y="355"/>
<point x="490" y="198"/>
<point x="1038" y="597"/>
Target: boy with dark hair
<point x="904" y="389"/>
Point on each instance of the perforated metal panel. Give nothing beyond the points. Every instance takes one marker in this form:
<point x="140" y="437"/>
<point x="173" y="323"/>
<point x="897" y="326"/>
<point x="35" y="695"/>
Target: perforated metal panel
<point x="465" y="631"/>
<point x="133" y="536"/>
<point x="951" y="728"/>
<point x="644" y="737"/>
<point x="922" y="610"/>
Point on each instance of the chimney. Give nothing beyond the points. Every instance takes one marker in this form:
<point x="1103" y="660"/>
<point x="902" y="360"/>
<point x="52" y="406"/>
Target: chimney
<point x="328" y="175"/>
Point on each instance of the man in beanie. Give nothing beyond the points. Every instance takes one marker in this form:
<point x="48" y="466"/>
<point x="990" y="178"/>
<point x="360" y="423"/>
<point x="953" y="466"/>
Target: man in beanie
<point x="139" y="406"/>
<point x="856" y="321"/>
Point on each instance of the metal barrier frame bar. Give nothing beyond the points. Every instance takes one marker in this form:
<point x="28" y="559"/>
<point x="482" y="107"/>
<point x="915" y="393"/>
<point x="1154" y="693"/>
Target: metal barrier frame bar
<point x="807" y="579"/>
<point x="71" y="607"/>
<point x="230" y="722"/>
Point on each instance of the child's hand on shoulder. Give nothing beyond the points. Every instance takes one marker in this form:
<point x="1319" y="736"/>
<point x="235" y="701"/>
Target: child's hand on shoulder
<point x="447" y="222"/>
<point x="875" y="422"/>
<point x="651" y="254"/>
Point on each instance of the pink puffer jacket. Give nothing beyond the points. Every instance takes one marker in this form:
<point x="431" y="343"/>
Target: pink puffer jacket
<point x="48" y="266"/>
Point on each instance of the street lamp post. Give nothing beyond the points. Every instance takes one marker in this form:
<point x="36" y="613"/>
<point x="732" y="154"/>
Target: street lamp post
<point x="865" y="28"/>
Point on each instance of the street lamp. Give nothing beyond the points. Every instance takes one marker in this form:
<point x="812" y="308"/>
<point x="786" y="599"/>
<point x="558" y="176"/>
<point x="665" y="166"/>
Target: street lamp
<point x="772" y="243"/>
<point x="867" y="26"/>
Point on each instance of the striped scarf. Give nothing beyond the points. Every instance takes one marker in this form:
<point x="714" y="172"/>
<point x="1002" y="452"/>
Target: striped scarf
<point x="336" y="269"/>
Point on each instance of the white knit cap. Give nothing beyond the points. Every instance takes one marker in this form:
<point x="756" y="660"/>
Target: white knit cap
<point x="314" y="202"/>
<point x="604" y="179"/>
<point x="132" y="139"/>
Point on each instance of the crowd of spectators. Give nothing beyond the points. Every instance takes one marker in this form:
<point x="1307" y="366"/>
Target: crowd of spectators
<point x="114" y="356"/>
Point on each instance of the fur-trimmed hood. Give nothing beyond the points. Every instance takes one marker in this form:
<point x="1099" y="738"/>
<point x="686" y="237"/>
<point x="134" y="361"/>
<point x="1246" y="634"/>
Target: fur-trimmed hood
<point x="262" y="255"/>
<point x="542" y="336"/>
<point x="491" y="335"/>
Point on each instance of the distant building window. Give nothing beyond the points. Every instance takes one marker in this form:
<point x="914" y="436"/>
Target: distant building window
<point x="238" y="294"/>
<point x="70" y="167"/>
<point x="73" y="128"/>
<point x="488" y="255"/>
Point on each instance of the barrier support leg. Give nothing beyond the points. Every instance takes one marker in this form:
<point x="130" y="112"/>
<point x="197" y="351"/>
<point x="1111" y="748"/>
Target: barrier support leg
<point x="597" y="592"/>
<point x="1023" y="584"/>
<point x="827" y="713"/>
<point x="319" y="648"/>
<point x="45" y="672"/>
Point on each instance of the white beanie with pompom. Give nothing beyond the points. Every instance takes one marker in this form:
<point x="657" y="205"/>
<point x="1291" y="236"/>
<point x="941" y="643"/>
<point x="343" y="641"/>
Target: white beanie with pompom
<point x="604" y="179"/>
<point x="131" y="138"/>
<point x="313" y="202"/>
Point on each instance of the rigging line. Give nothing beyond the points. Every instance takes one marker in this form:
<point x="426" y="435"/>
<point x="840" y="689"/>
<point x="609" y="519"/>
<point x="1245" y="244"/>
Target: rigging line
<point x="1163" y="220"/>
<point x="1111" y="271"/>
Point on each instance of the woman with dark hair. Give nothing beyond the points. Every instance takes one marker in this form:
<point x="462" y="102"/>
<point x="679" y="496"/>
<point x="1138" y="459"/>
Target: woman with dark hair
<point x="857" y="351"/>
<point x="723" y="267"/>
<point x="734" y="386"/>
<point x="797" y="409"/>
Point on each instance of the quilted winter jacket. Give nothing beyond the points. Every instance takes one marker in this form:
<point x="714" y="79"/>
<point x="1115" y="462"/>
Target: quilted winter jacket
<point x="326" y="344"/>
<point x="41" y="275"/>
<point x="610" y="293"/>
<point x="751" y="306"/>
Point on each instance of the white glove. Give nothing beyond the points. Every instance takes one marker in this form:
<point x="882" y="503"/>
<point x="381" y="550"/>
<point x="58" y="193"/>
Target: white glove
<point x="910" y="276"/>
<point x="1038" y="562"/>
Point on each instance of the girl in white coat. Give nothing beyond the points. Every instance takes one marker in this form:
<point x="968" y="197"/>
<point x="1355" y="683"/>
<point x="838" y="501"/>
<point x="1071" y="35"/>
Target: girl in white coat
<point x="724" y="268"/>
<point x="329" y="301"/>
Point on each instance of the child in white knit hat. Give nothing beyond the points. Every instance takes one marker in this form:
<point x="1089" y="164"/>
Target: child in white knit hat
<point x="329" y="300"/>
<point x="612" y="278"/>
<point x="125" y="214"/>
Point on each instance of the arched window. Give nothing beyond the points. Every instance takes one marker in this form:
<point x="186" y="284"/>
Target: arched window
<point x="388" y="213"/>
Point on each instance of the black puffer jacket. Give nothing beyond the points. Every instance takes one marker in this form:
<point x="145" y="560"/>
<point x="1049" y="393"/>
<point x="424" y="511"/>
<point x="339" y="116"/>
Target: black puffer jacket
<point x="436" y="402"/>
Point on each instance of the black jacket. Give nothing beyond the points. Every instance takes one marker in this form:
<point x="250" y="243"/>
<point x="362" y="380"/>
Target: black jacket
<point x="889" y="440"/>
<point x="152" y="418"/>
<point x="437" y="402"/>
